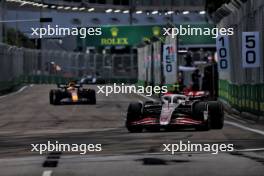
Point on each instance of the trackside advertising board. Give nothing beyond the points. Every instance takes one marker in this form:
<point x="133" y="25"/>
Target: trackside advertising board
<point x="222" y="48"/>
<point x="250" y="50"/>
<point x="169" y="63"/>
<point x="134" y="34"/>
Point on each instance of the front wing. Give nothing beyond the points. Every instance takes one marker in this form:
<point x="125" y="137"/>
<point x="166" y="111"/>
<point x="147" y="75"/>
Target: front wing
<point x="179" y="121"/>
<point x="74" y="98"/>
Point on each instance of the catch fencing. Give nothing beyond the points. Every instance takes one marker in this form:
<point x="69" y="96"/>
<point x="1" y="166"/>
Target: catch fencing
<point x="20" y="65"/>
<point x="242" y="87"/>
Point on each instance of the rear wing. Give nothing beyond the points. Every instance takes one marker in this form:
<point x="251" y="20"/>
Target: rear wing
<point x="65" y="86"/>
<point x="196" y="93"/>
<point x="62" y="86"/>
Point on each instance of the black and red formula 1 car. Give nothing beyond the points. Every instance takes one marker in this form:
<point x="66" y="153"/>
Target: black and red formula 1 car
<point x="173" y="111"/>
<point x="72" y="93"/>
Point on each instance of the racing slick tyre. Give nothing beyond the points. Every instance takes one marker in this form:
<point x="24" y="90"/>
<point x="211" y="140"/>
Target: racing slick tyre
<point x="198" y="110"/>
<point x="54" y="97"/>
<point x="216" y="111"/>
<point x="149" y="102"/>
<point x="89" y="95"/>
<point x="205" y="126"/>
<point x="51" y="97"/>
<point x="92" y="96"/>
<point x="133" y="113"/>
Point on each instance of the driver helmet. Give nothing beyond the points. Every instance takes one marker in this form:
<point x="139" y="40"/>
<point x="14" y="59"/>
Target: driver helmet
<point x="71" y="84"/>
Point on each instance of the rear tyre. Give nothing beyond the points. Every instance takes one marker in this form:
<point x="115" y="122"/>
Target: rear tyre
<point x="55" y="97"/>
<point x="92" y="96"/>
<point x="51" y="97"/>
<point x="217" y="114"/>
<point x="149" y="102"/>
<point x="134" y="113"/>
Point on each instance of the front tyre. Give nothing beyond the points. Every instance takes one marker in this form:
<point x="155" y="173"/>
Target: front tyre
<point x="134" y="113"/>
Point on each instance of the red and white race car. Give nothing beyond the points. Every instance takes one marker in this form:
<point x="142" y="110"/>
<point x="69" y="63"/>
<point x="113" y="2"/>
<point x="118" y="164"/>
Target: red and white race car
<point x="176" y="110"/>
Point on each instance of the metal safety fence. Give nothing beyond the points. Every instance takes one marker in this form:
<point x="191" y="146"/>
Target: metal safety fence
<point x="242" y="87"/>
<point x="20" y="65"/>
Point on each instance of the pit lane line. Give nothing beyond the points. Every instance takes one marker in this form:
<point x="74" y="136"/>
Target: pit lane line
<point x="226" y="121"/>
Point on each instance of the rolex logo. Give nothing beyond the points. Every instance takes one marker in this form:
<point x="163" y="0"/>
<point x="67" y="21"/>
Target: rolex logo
<point x="114" y="31"/>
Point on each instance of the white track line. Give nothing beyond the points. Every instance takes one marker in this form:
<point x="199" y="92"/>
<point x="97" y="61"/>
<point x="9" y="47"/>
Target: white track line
<point x="58" y="131"/>
<point x="250" y="150"/>
<point x="236" y="119"/>
<point x="244" y="127"/>
<point x="146" y="97"/>
<point x="14" y="93"/>
<point x="20" y="90"/>
<point x="47" y="173"/>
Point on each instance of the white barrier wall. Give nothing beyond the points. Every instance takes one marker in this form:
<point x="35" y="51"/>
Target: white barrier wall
<point x="157" y="63"/>
<point x="148" y="63"/>
<point x="141" y="66"/>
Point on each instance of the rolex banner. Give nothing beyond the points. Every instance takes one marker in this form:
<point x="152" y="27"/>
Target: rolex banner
<point x="133" y="35"/>
<point x="169" y="63"/>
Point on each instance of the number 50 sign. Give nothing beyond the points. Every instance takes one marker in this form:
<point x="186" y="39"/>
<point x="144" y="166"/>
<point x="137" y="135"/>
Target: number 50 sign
<point x="250" y="49"/>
